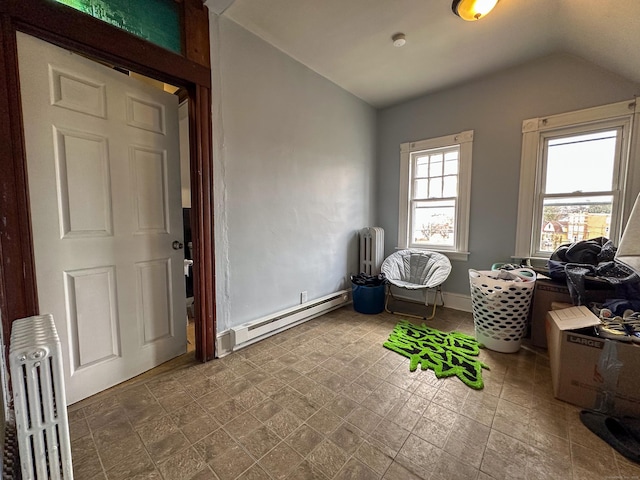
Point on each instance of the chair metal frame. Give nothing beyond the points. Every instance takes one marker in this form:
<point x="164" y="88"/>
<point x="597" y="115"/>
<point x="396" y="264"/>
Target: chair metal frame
<point x="436" y="276"/>
<point x="437" y="289"/>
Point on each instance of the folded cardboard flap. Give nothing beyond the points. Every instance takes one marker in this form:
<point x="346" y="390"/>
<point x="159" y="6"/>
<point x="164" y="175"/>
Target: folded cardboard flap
<point x="575" y="318"/>
<point x="560" y="305"/>
<point x="591" y="371"/>
<point x="547" y="292"/>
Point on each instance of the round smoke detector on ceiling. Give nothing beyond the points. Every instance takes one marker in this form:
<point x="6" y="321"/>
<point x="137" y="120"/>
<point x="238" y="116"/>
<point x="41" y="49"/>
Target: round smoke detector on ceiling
<point x="399" y="40"/>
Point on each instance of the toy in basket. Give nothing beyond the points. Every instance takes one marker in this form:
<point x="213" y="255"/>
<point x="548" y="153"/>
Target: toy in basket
<point x="500" y="300"/>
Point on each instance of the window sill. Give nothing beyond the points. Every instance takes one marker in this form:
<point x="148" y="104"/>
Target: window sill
<point x="457" y="256"/>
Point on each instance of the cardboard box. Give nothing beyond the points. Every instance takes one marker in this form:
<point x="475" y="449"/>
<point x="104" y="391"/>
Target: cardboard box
<point x="547" y="292"/>
<point x="590" y="371"/>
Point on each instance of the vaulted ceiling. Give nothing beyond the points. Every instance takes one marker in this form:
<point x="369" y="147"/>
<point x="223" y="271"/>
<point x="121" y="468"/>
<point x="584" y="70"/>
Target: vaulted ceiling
<point x="349" y="41"/>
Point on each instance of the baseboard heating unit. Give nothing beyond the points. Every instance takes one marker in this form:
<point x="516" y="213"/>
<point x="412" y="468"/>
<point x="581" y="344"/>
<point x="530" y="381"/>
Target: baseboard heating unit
<point x="251" y="332"/>
<point x="35" y="361"/>
<point x="371" y="250"/>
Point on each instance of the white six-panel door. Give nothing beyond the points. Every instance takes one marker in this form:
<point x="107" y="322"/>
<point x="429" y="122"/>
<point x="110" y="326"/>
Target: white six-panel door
<point x="104" y="184"/>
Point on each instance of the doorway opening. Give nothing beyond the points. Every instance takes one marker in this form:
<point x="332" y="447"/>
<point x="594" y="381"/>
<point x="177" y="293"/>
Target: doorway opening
<point x="103" y="159"/>
<point x="84" y="35"/>
<point x="185" y="180"/>
<point x="185" y="188"/>
<point x="185" y="183"/>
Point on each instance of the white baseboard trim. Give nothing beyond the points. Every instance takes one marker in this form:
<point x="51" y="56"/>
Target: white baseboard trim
<point x="224" y="340"/>
<point x="255" y="330"/>
<point x="456" y="301"/>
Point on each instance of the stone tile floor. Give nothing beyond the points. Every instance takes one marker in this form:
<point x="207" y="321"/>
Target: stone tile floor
<point x="325" y="400"/>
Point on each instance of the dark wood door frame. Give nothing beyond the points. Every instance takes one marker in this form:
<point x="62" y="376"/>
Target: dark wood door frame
<point x="81" y="33"/>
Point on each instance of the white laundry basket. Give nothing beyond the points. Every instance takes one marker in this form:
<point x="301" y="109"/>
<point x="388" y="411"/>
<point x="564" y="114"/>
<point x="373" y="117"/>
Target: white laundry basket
<point x="501" y="307"/>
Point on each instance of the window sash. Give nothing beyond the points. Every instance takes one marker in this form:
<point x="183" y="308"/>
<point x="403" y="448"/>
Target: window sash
<point x="548" y="138"/>
<point x="444" y="203"/>
<point x="554" y="242"/>
<point x="428" y="178"/>
<point x="621" y="116"/>
<point x="432" y="197"/>
<point x="541" y="196"/>
<point x="409" y="152"/>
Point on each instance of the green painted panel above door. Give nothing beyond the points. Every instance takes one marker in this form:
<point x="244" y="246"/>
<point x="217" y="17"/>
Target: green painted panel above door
<point x="157" y="21"/>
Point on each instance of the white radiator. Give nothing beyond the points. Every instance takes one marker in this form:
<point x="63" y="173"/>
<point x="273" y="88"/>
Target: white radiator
<point x="251" y="332"/>
<point x="35" y="361"/>
<point x="371" y="250"/>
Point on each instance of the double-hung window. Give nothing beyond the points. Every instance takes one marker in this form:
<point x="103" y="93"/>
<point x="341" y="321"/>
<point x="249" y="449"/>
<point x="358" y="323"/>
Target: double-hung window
<point x="574" y="175"/>
<point x="434" y="194"/>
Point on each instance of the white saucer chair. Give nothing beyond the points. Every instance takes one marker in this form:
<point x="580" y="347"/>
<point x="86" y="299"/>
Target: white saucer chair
<point x="414" y="269"/>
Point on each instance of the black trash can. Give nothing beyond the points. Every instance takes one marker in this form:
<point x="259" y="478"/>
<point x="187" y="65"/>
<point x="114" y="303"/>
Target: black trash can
<point x="368" y="293"/>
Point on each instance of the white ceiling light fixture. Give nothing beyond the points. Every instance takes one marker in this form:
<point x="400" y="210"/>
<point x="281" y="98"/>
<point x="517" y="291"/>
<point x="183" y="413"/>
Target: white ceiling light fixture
<point x="472" y="10"/>
<point x="399" y="39"/>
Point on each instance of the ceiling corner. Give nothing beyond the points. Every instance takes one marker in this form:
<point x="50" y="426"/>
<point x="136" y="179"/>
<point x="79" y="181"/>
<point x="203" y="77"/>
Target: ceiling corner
<point x="218" y="6"/>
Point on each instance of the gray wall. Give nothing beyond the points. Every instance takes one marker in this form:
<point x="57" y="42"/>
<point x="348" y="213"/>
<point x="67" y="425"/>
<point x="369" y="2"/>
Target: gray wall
<point x="494" y="107"/>
<point x="294" y="177"/>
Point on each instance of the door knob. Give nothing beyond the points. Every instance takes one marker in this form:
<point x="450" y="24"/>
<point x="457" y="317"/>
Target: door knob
<point x="177" y="245"/>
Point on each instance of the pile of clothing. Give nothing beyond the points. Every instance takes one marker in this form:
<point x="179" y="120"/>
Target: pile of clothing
<point x="594" y="258"/>
<point x="364" y="279"/>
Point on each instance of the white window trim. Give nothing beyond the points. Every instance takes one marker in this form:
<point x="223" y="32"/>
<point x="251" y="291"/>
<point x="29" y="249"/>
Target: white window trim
<point x="465" y="139"/>
<point x="534" y="130"/>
